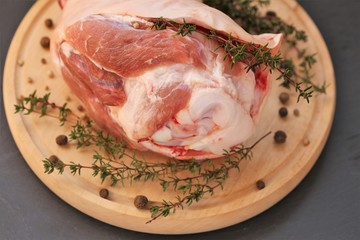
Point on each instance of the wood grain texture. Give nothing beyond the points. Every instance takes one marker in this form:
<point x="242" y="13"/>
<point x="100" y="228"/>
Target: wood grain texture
<point x="281" y="167"/>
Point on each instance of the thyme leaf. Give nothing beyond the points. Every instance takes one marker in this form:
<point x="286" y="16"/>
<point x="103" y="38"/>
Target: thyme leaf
<point x="42" y="105"/>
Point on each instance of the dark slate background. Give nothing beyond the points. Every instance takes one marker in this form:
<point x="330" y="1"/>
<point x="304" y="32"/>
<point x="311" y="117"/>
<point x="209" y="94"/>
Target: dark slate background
<point x="326" y="205"/>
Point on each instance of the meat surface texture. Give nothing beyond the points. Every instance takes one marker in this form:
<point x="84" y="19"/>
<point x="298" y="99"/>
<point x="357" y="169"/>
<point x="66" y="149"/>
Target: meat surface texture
<point x="157" y="90"/>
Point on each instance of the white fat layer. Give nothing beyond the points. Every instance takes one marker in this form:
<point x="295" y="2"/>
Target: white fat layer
<point x="233" y="122"/>
<point x="219" y="122"/>
<point x="184" y="117"/>
<point x="67" y="49"/>
<point x="144" y="89"/>
<point x="121" y="19"/>
<point x="162" y="135"/>
<point x="217" y="116"/>
<point x="125" y="115"/>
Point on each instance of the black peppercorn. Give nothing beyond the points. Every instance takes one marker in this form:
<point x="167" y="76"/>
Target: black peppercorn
<point x="280" y="137"/>
<point x="49" y="23"/>
<point x="54" y="159"/>
<point x="104" y="193"/>
<point x="61" y="140"/>
<point x="271" y="14"/>
<point x="80" y="108"/>
<point x="140" y="201"/>
<point x="30" y="80"/>
<point x="43" y="61"/>
<point x="284" y="97"/>
<point x="283" y="112"/>
<point x="306" y="142"/>
<point x="260" y="184"/>
<point x="45" y="42"/>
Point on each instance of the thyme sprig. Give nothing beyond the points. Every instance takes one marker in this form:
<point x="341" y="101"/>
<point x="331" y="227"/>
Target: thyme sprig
<point x="203" y="179"/>
<point x="115" y="171"/>
<point x="120" y="166"/>
<point x="42" y="105"/>
<point x="111" y="165"/>
<point x="254" y="56"/>
<point x="248" y="14"/>
<point x="208" y="178"/>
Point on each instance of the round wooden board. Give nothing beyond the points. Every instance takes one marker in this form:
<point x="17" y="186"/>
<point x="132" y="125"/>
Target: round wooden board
<point x="281" y="167"/>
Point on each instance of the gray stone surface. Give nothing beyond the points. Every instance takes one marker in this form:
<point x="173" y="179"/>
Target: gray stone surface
<point x="326" y="205"/>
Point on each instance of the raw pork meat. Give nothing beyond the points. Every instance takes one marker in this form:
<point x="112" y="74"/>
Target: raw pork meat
<point x="157" y="90"/>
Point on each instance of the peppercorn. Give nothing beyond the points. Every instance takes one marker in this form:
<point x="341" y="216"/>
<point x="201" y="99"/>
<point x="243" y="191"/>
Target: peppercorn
<point x="296" y="112"/>
<point x="30" y="80"/>
<point x="53" y="105"/>
<point x="54" y="159"/>
<point x="61" y="140"/>
<point x="21" y="63"/>
<point x="80" y="108"/>
<point x="306" y="142"/>
<point x="283" y="112"/>
<point x="284" y="97"/>
<point x="260" y="184"/>
<point x="43" y="61"/>
<point x="45" y="42"/>
<point x="280" y="137"/>
<point x="271" y="14"/>
<point x="140" y="201"/>
<point x="50" y="74"/>
<point x="104" y="193"/>
<point x="49" y="23"/>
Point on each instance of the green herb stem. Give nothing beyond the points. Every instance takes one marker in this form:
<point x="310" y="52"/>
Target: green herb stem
<point x="194" y="188"/>
<point x="42" y="105"/>
<point x="251" y="54"/>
